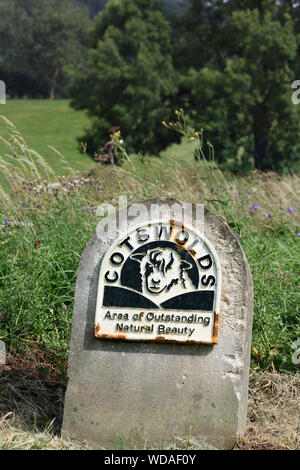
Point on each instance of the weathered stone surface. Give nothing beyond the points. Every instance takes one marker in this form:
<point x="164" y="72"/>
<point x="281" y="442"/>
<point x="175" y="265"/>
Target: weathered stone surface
<point x="151" y="392"/>
<point x="2" y="353"/>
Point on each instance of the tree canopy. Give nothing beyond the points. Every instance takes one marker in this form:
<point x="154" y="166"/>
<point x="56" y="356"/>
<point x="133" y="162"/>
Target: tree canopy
<point x="241" y="91"/>
<point x="128" y="79"/>
<point x="38" y="38"/>
<point x="229" y="64"/>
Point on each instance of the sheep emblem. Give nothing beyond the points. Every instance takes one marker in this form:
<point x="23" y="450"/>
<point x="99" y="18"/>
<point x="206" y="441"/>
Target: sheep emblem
<point x="163" y="271"/>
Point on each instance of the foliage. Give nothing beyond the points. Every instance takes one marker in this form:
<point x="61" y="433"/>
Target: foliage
<point x="128" y="80"/>
<point x="172" y="6"/>
<point x="240" y="84"/>
<point x="38" y="39"/>
<point x="43" y="232"/>
<point x="94" y="6"/>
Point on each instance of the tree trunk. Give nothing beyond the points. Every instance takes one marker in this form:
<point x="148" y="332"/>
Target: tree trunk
<point x="52" y="86"/>
<point x="51" y="95"/>
<point x="261" y="130"/>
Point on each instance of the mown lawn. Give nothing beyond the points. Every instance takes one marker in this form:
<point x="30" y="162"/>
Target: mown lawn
<point x="45" y="123"/>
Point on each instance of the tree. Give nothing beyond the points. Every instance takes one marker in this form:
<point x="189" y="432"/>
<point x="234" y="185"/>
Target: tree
<point x="94" y="6"/>
<point x="38" y="39"/>
<point x="128" y="80"/>
<point x="242" y="93"/>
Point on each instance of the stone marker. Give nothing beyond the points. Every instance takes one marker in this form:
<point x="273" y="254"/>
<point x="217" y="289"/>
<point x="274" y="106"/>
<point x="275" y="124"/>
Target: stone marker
<point x="2" y="353"/>
<point x="161" y="333"/>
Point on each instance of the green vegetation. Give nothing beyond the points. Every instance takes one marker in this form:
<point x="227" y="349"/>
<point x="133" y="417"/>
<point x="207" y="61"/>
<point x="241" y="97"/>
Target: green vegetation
<point x="44" y="231"/>
<point x="128" y="78"/>
<point x="45" y="123"/>
<point x="38" y="40"/>
<point x="230" y="65"/>
<point x="239" y="86"/>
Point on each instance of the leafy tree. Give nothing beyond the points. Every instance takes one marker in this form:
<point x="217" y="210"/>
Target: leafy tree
<point x="38" y="39"/>
<point x="242" y="93"/>
<point x="94" y="6"/>
<point x="128" y="80"/>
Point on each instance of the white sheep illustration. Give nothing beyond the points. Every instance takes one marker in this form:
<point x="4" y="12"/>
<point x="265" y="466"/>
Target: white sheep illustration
<point x="163" y="273"/>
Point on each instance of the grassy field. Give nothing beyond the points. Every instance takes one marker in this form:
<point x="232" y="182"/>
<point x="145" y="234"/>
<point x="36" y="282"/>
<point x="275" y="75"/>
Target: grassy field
<point x="45" y="123"/>
<point x="43" y="233"/>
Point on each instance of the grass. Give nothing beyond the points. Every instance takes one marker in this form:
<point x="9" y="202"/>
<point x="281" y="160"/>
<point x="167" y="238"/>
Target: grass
<point x="45" y="123"/>
<point x="40" y="251"/>
<point x="43" y="231"/>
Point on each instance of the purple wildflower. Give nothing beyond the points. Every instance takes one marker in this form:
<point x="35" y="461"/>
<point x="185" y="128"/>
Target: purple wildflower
<point x="7" y="221"/>
<point x="82" y="209"/>
<point x="270" y="215"/>
<point x="22" y="224"/>
<point x="291" y="210"/>
<point x="255" y="206"/>
<point x="264" y="217"/>
<point x="298" y="234"/>
<point x="237" y="235"/>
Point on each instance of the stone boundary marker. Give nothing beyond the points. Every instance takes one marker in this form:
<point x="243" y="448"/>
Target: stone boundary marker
<point x="161" y="334"/>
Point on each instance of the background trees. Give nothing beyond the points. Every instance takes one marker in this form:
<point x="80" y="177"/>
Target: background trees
<point x="38" y="38"/>
<point x="229" y="64"/>
<point x="241" y="92"/>
<point x="128" y="79"/>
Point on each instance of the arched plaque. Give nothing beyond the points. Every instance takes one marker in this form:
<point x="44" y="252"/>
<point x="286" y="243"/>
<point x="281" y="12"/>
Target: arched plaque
<point x="159" y="282"/>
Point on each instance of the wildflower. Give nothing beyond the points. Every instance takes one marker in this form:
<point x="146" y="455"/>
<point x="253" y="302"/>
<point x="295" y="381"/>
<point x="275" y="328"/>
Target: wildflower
<point x="237" y="235"/>
<point x="291" y="210"/>
<point x="192" y="138"/>
<point x="163" y="123"/>
<point x="255" y="206"/>
<point x="264" y="217"/>
<point x="82" y="209"/>
<point x="260" y="262"/>
<point x="269" y="214"/>
<point x="298" y="234"/>
<point x="7" y="222"/>
<point x="176" y="111"/>
<point x="64" y="306"/>
<point x="22" y="224"/>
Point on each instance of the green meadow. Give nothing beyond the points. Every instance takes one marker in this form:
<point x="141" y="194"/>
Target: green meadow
<point x="44" y="124"/>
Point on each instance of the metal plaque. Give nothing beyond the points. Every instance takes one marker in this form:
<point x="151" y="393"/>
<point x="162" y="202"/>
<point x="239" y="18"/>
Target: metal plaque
<point x="161" y="282"/>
